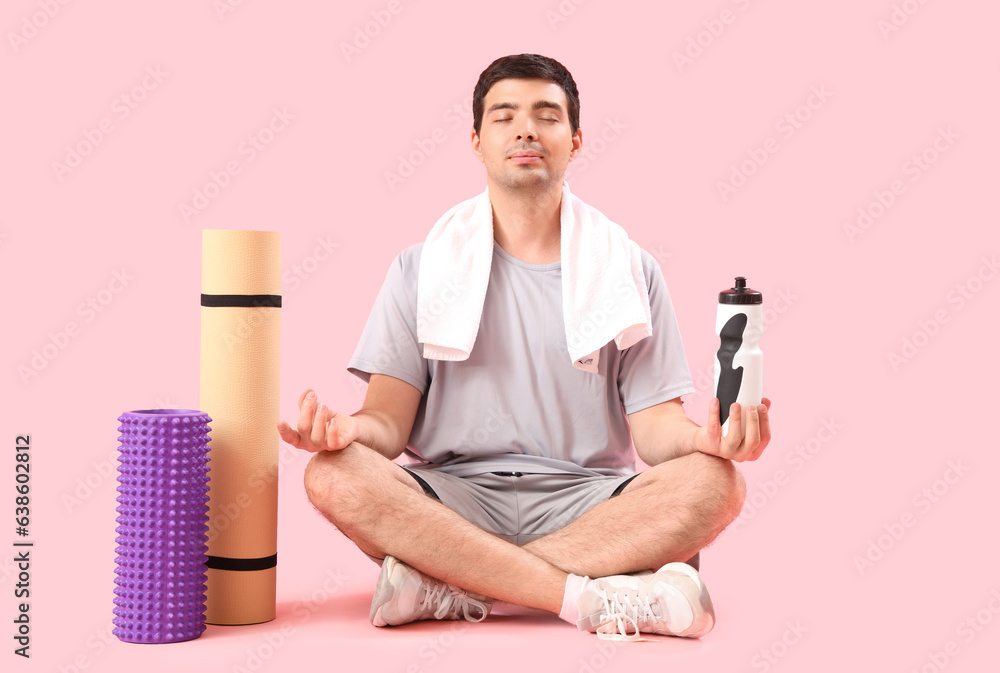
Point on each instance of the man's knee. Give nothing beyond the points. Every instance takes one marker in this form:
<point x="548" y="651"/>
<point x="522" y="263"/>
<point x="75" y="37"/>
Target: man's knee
<point x="332" y="480"/>
<point x="318" y="478"/>
<point x="721" y="478"/>
<point x="717" y="485"/>
<point x="342" y="485"/>
<point x="724" y="489"/>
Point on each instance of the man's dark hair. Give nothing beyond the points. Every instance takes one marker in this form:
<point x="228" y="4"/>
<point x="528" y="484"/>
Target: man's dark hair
<point x="526" y="66"/>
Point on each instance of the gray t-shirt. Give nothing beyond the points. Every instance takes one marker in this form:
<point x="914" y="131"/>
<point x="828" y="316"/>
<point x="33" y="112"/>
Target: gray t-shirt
<point x="518" y="403"/>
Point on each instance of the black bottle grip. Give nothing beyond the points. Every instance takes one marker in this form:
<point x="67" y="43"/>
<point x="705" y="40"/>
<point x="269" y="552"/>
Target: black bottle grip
<point x="730" y="380"/>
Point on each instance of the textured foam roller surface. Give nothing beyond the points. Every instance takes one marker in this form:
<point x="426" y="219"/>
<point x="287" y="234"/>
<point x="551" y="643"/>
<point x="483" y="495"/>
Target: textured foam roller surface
<point x="162" y="525"/>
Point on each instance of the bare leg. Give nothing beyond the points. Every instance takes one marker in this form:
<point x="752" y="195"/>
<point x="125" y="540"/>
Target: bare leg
<point x="365" y="496"/>
<point x="667" y="513"/>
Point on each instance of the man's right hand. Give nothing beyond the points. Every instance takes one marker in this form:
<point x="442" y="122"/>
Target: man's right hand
<point x="319" y="428"/>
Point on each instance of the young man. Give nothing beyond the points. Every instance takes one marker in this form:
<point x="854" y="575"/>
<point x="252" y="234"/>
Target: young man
<point x="526" y="491"/>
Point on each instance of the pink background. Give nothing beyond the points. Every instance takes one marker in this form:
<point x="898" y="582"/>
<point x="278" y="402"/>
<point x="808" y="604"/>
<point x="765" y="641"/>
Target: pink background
<point x="671" y="134"/>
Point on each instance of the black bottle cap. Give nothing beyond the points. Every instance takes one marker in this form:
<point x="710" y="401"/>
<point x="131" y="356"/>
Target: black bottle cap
<point x="740" y="294"/>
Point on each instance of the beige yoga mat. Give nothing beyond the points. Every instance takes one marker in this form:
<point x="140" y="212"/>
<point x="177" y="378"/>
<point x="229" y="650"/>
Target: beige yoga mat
<point x="240" y="339"/>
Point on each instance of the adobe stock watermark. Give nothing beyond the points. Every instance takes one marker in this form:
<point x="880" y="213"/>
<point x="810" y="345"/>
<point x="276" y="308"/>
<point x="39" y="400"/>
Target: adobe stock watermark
<point x="225" y="7"/>
<point x="365" y="34"/>
<point x="661" y="254"/>
<point x="227" y="513"/>
<point x="389" y="352"/>
<point x="162" y="403"/>
<point x="32" y="23"/>
<point x="95" y="645"/>
<point x="787" y="126"/>
<point x="292" y="278"/>
<point x="454" y="117"/>
<point x="771" y="655"/>
<point x="255" y="658"/>
<point x="711" y="30"/>
<point x="913" y="168"/>
<point x="598" y="316"/>
<point x="248" y="322"/>
<point x="494" y="421"/>
<point x="359" y="387"/>
<point x="84" y="487"/>
<point x="606" y="651"/>
<point x="436" y="306"/>
<point x="960" y="295"/>
<point x="898" y="17"/>
<point x="121" y="107"/>
<point x="924" y="501"/>
<point x="561" y="12"/>
<point x="8" y="568"/>
<point x="56" y="343"/>
<point x="435" y="647"/>
<point x="797" y="458"/>
<point x="968" y="630"/>
<point x="594" y="149"/>
<point x="248" y="150"/>
<point x="773" y="309"/>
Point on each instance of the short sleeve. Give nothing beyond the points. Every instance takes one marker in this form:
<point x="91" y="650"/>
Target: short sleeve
<point x="655" y="369"/>
<point x="388" y="343"/>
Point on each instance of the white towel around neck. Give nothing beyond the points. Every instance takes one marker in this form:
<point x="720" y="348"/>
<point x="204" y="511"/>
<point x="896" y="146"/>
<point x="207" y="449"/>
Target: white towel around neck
<point x="603" y="287"/>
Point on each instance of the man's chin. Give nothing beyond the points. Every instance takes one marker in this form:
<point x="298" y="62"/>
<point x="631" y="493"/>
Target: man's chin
<point x="533" y="183"/>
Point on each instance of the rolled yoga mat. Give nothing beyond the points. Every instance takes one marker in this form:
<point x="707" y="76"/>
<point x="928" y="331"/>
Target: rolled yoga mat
<point x="240" y="338"/>
<point x="162" y="532"/>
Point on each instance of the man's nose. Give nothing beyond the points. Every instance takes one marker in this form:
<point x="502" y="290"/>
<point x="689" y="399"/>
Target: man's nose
<point x="528" y="132"/>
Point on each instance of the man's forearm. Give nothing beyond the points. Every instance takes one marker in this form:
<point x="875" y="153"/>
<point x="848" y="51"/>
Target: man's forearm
<point x="377" y="432"/>
<point x="674" y="439"/>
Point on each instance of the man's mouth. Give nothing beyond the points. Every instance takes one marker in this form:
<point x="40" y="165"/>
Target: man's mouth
<point x="525" y="157"/>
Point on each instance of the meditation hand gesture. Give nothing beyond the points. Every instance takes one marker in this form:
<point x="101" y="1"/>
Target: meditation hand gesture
<point x="319" y="428"/>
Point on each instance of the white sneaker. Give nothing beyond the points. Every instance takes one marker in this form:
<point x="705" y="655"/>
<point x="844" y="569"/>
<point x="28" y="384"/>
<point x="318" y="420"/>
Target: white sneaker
<point x="673" y="601"/>
<point x="404" y="594"/>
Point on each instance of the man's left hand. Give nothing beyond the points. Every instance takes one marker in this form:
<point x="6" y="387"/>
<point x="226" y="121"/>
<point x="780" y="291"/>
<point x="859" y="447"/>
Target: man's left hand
<point x="737" y="445"/>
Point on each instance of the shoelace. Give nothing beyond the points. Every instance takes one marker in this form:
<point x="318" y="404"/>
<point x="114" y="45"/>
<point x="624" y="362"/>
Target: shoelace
<point x="453" y="602"/>
<point x="616" y="613"/>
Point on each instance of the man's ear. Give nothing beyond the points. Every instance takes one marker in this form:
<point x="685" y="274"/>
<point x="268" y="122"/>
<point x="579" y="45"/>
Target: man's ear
<point x="475" y="146"/>
<point x="576" y="144"/>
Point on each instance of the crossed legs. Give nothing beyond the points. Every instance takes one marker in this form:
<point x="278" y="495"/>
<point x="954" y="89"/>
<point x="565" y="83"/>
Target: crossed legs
<point x="667" y="513"/>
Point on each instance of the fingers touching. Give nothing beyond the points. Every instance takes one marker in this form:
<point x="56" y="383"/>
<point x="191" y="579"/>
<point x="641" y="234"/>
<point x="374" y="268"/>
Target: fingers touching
<point x="748" y="432"/>
<point x="313" y="428"/>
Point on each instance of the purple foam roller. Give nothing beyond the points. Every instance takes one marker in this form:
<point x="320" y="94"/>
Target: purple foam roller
<point x="162" y="525"/>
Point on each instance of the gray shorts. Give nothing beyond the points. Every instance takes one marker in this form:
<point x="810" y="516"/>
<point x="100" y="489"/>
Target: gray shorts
<point x="520" y="507"/>
<point x="516" y="506"/>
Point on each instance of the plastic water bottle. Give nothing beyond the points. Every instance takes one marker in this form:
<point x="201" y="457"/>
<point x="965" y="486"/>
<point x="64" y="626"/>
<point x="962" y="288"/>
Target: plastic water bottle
<point x="739" y="362"/>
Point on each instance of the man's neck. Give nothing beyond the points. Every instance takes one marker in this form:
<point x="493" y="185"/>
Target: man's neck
<point x="527" y="224"/>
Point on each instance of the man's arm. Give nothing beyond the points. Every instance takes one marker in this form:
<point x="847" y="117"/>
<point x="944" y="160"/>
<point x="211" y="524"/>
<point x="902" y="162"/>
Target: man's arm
<point x="663" y="432"/>
<point x="383" y="423"/>
<point x="386" y="417"/>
